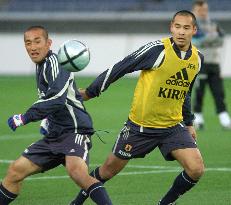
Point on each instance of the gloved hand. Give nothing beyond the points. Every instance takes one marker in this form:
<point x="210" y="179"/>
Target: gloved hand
<point x="16" y="121"/>
<point x="44" y="126"/>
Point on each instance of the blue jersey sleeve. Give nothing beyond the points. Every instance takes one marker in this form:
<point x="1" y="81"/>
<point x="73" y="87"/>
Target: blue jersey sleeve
<point x="142" y="59"/>
<point x="188" y="116"/>
<point x="53" y="82"/>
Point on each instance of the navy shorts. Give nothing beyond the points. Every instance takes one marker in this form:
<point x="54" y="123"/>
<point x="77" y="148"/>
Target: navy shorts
<point x="134" y="142"/>
<point x="49" y="153"/>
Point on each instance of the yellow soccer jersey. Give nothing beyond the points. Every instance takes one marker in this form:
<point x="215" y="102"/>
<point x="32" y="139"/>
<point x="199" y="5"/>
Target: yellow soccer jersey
<point x="160" y="92"/>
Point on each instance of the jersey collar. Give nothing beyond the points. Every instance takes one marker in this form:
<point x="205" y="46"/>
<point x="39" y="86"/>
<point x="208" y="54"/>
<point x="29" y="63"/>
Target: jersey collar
<point x="178" y="52"/>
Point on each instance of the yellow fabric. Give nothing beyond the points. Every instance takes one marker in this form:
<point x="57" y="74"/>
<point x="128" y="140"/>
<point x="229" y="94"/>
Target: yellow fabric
<point x="160" y="92"/>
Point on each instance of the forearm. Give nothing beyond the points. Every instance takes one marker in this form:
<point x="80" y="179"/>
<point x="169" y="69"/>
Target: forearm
<point x="188" y="116"/>
<point x="42" y="109"/>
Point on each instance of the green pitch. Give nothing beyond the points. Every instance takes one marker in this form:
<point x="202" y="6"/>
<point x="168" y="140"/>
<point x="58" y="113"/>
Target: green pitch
<point x="144" y="181"/>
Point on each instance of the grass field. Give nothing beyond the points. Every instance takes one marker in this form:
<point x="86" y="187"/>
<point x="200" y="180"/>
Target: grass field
<point x="144" y="181"/>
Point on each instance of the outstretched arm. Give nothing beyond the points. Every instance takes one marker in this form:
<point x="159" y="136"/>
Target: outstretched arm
<point x="145" y="58"/>
<point x="58" y="81"/>
<point x="54" y="98"/>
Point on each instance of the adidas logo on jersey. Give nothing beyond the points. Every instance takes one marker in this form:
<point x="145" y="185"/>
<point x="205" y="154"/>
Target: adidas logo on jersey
<point x="179" y="79"/>
<point x="72" y="150"/>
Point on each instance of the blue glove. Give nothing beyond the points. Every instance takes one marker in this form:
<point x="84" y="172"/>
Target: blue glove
<point x="16" y="121"/>
<point x="44" y="127"/>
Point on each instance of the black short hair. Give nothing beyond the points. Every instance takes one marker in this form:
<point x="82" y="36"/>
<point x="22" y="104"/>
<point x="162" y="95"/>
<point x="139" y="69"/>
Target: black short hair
<point x="186" y="13"/>
<point x="38" y="27"/>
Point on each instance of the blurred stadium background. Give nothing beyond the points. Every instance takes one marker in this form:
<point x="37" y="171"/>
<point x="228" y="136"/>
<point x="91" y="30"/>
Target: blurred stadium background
<point x="112" y="29"/>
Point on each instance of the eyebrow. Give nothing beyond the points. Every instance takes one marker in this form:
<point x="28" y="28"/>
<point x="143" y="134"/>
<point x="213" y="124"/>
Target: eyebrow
<point x="37" y="38"/>
<point x="187" y="25"/>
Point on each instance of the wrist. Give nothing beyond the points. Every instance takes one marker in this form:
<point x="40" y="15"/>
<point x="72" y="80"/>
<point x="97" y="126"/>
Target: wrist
<point x="24" y="119"/>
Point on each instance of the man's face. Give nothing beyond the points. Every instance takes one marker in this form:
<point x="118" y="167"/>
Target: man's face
<point x="182" y="29"/>
<point x="37" y="45"/>
<point x="201" y="12"/>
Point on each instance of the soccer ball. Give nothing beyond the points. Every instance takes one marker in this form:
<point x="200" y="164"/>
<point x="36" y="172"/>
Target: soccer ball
<point x="73" y="55"/>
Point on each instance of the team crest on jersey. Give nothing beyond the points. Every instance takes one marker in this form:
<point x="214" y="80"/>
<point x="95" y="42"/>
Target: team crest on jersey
<point x="128" y="147"/>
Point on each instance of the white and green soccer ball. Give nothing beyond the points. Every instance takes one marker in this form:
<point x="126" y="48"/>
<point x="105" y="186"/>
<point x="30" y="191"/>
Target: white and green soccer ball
<point x="73" y="55"/>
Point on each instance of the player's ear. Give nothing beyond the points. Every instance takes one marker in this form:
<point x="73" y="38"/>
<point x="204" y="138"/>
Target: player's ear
<point x="194" y="30"/>
<point x="49" y="41"/>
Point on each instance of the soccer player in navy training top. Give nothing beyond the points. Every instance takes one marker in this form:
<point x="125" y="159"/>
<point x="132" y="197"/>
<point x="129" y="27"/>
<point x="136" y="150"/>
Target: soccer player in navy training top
<point x="160" y="114"/>
<point x="69" y="128"/>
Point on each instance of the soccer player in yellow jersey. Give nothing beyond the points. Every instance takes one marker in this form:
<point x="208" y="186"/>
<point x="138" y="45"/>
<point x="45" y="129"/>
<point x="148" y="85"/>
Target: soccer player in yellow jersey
<point x="160" y="114"/>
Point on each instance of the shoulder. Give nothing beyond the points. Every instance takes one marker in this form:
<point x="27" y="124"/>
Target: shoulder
<point x="156" y="46"/>
<point x="155" y="54"/>
<point x="200" y="59"/>
<point x="153" y="46"/>
<point x="198" y="52"/>
<point x="157" y="43"/>
<point x="52" y="59"/>
<point x="150" y="50"/>
<point x="52" y="66"/>
<point x="201" y="56"/>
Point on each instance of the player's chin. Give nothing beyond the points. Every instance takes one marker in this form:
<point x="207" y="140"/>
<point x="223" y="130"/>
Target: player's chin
<point x="181" y="43"/>
<point x="36" y="59"/>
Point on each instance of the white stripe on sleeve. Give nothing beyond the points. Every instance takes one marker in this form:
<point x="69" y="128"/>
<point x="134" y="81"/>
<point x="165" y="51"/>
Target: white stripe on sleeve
<point x="54" y="66"/>
<point x="159" y="59"/>
<point x="106" y="78"/>
<point x="58" y="94"/>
